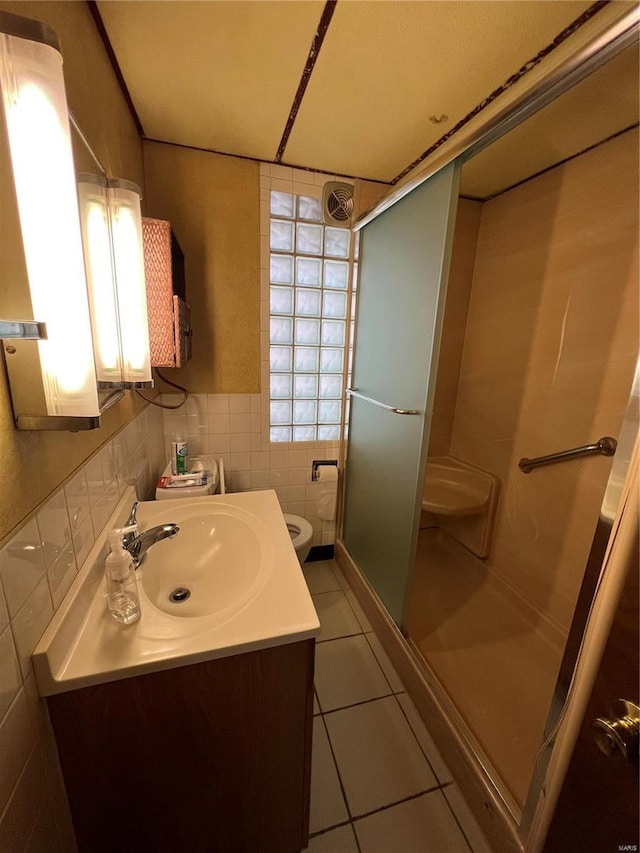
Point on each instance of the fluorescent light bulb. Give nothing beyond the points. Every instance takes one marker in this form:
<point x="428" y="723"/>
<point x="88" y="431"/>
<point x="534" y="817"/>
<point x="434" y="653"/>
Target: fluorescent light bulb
<point x="39" y="140"/>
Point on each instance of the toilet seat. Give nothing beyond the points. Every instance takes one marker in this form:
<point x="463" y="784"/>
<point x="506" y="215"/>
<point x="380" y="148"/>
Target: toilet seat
<point x="301" y="534"/>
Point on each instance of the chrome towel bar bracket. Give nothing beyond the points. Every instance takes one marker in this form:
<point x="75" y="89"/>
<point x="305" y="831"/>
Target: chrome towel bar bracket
<point x="351" y="392"/>
<point x="603" y="447"/>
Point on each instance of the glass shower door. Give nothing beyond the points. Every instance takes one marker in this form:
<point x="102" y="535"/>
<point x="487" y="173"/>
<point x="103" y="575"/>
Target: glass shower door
<point x="404" y="259"/>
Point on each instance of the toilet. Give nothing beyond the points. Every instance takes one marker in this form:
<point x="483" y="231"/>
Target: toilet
<point x="301" y="534"/>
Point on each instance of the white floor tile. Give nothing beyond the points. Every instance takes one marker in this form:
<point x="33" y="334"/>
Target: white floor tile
<point x="316" y="707"/>
<point x="467" y="821"/>
<point x="378" y="757"/>
<point x="422" y="825"/>
<point x="320" y="577"/>
<point x="340" y="840"/>
<point x="336" y="616"/>
<point x="347" y="672"/>
<point x="387" y="667"/>
<point x="327" y="803"/>
<point x="425" y="740"/>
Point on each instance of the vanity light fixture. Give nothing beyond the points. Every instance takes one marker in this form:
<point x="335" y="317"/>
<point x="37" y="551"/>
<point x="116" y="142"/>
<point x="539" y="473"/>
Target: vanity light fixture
<point x="53" y="382"/>
<point x="126" y="233"/>
<point x="96" y="238"/>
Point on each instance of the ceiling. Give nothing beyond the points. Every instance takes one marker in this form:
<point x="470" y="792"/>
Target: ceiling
<point x="372" y="84"/>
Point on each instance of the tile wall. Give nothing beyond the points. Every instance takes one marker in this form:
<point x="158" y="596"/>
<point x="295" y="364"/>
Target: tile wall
<point x="235" y="428"/>
<point x="37" y="567"/>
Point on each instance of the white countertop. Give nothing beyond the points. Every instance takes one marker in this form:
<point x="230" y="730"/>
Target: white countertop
<point x="84" y="645"/>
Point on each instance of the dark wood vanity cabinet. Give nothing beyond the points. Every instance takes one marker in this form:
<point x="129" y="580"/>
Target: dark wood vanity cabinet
<point x="211" y="757"/>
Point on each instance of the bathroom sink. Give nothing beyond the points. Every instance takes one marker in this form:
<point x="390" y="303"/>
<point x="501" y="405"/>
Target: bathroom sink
<point x="246" y="592"/>
<point x="218" y="561"/>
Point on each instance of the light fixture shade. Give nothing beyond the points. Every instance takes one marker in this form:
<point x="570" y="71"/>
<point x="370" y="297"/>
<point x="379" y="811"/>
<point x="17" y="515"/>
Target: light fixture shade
<point x="40" y="146"/>
<point x="126" y="232"/>
<point x="96" y="238"/>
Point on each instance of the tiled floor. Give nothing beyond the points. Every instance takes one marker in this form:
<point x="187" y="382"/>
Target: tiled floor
<point x="378" y="783"/>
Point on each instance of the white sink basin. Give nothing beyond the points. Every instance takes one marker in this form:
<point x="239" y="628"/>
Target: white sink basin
<point x="213" y="567"/>
<point x="247" y="592"/>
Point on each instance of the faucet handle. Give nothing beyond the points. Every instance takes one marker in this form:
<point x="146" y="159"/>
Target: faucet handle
<point x="130" y="532"/>
<point x="132" y="520"/>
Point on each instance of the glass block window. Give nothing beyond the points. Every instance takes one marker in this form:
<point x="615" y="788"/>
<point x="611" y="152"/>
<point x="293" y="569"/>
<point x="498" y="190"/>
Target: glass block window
<point x="310" y="312"/>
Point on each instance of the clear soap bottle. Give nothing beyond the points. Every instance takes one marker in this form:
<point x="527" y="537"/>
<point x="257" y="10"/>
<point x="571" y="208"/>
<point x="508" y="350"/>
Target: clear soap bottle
<point x="122" y="588"/>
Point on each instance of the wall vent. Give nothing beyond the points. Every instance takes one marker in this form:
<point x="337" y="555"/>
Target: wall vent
<point x="337" y="204"/>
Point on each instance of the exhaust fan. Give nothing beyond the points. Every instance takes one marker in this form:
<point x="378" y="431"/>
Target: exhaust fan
<point x="337" y="204"/>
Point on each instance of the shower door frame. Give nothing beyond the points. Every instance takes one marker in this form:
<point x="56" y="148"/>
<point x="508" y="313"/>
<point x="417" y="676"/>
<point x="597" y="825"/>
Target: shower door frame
<point x="529" y="824"/>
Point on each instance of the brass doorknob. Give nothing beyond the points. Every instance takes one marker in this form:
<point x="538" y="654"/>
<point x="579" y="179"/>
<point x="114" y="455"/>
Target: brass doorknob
<point x="618" y="738"/>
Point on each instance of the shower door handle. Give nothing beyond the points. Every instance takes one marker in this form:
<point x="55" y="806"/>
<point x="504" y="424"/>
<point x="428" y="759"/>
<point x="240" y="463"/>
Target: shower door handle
<point x="351" y="392"/>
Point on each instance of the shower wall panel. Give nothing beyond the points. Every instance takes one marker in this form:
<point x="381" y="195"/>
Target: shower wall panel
<point x="549" y="355"/>
<point x="454" y="325"/>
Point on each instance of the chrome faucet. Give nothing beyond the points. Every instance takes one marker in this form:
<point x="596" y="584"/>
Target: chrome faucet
<point x="137" y="544"/>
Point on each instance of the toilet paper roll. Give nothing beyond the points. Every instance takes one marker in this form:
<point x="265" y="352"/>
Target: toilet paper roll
<point x="328" y="479"/>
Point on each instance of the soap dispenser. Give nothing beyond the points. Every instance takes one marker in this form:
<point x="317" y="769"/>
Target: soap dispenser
<point x="122" y="588"/>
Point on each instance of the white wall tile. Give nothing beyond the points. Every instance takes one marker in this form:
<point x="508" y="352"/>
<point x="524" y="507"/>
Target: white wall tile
<point x="260" y="461"/>
<point x="220" y="443"/>
<point x="108" y="460"/>
<point x="259" y="479"/>
<point x="197" y="404"/>
<point x="240" y="423"/>
<point x="198" y="444"/>
<point x="220" y="424"/>
<point x="53" y="524"/>
<point x="21" y="566"/>
<point x="61" y="574"/>
<point x="242" y="481"/>
<point x="218" y="404"/>
<point x="17" y="740"/>
<point x="240" y="442"/>
<point x="240" y="404"/>
<point x="29" y="623"/>
<point x="10" y="674"/>
<point x="240" y="462"/>
<point x="83" y="540"/>
<point x="197" y="424"/>
<point x="25" y="805"/>
<point x="77" y="493"/>
<point x="95" y="480"/>
<point x="4" y="613"/>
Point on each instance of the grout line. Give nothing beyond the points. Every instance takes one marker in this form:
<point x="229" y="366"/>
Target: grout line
<point x="380" y="665"/>
<point x="398" y="802"/>
<point x="341" y="637"/>
<point x="342" y="789"/>
<point x="455" y="817"/>
<point x="416" y="736"/>
<point x="357" y="705"/>
<point x="329" y="828"/>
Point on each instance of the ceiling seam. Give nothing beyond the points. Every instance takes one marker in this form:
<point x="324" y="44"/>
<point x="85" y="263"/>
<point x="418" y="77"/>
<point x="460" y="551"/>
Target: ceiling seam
<point x="316" y="44"/>
<point x="260" y="160"/>
<point x="106" y="41"/>
<point x="524" y="69"/>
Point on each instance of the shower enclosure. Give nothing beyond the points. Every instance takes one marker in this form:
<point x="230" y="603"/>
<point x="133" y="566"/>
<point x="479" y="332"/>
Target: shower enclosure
<point x="495" y="323"/>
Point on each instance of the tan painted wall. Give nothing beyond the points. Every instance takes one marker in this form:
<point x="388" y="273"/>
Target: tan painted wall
<point x="454" y="325"/>
<point x="34" y="464"/>
<point x="212" y="202"/>
<point x="549" y="355"/>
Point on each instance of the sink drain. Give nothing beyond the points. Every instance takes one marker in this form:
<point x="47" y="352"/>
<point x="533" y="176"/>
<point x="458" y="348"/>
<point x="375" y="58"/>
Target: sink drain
<point x="179" y="595"/>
